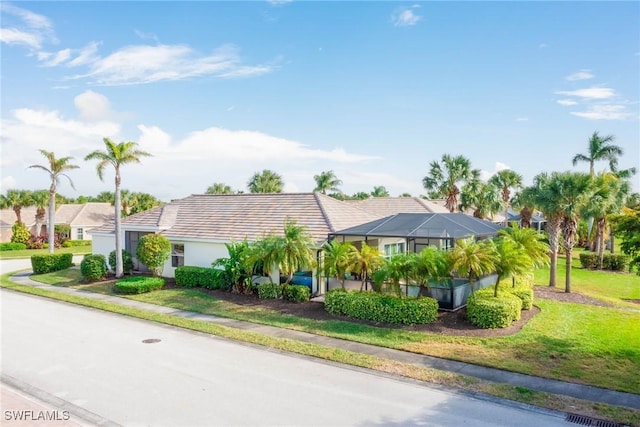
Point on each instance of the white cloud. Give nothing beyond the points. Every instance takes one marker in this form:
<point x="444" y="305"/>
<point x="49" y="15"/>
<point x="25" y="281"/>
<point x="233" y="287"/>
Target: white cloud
<point x="566" y="102"/>
<point x="93" y="106"/>
<point x="485" y="175"/>
<point x="580" y="75"/>
<point x="7" y="183"/>
<point x="30" y="29"/>
<point x="522" y="119"/>
<point x="605" y="112"/>
<point x="590" y="93"/>
<point x="86" y="55"/>
<point x="18" y="37"/>
<point x="405" y="17"/>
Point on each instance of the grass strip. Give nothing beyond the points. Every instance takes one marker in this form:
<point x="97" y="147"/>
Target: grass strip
<point x="546" y="400"/>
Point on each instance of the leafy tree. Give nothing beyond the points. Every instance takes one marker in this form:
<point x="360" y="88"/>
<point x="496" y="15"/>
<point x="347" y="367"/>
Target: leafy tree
<point x="366" y="261"/>
<point x="506" y="179"/>
<point x="406" y="195"/>
<point x="20" y="233"/>
<point x="480" y="196"/>
<point x="400" y="267"/>
<point x="339" y="259"/>
<point x="472" y="259"/>
<point x="236" y="266"/>
<point x="338" y="196"/>
<point x="105" y="197"/>
<point x="360" y="195"/>
<point x="219" y="188"/>
<point x="600" y="148"/>
<point x="327" y="181"/>
<point x="143" y="202"/>
<point x="266" y="181"/>
<point x="509" y="259"/>
<point x="380" y="191"/>
<point x="153" y="251"/>
<point x="117" y="155"/>
<point x="444" y="179"/>
<point x="627" y="226"/>
<point x="56" y="168"/>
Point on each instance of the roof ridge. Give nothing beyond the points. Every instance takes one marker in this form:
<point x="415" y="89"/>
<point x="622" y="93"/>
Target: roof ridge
<point x="461" y="225"/>
<point x="316" y="196"/>
<point x="431" y="215"/>
<point x="384" y="221"/>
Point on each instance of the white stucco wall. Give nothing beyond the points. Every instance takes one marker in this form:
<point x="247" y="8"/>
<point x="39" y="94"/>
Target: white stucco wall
<point x="199" y="254"/>
<point x="103" y="244"/>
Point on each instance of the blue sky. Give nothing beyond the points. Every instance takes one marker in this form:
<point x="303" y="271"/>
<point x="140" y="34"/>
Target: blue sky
<point x="374" y="91"/>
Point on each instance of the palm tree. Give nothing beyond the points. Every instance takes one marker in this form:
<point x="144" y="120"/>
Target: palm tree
<point x="431" y="264"/>
<point x="481" y="197"/>
<point x="40" y="200"/>
<point x="509" y="259"/>
<point x="143" y="202"/>
<point x="600" y="148"/>
<point x="525" y="201"/>
<point x="117" y="155"/>
<point x="380" y="191"/>
<point x="327" y="181"/>
<point x="472" y="259"/>
<point x="219" y="188"/>
<point x="339" y="259"/>
<point x="295" y="250"/>
<point x="506" y="179"/>
<point x="530" y="242"/>
<point x="366" y="261"/>
<point x="443" y="179"/>
<point x="16" y="200"/>
<point x="266" y="181"/>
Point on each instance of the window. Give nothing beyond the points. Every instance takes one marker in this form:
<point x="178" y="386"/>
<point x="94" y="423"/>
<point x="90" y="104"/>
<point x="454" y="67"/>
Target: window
<point x="177" y="255"/>
<point x="393" y="249"/>
<point x="80" y="234"/>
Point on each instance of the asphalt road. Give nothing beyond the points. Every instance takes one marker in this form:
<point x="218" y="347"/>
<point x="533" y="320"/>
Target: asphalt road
<point x="97" y="361"/>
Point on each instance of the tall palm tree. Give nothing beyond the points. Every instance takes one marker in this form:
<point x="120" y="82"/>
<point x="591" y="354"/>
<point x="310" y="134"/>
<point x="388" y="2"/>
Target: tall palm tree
<point x="266" y="181"/>
<point x="40" y="200"/>
<point x="16" y="200"/>
<point x="339" y="259"/>
<point x="444" y="179"/>
<point x="600" y="148"/>
<point x="327" y="181"/>
<point x="525" y="201"/>
<point x="117" y="155"/>
<point x="219" y="188"/>
<point x="366" y="261"/>
<point x="482" y="197"/>
<point x="380" y="191"/>
<point x="506" y="179"/>
<point x="472" y="259"/>
<point x="574" y="190"/>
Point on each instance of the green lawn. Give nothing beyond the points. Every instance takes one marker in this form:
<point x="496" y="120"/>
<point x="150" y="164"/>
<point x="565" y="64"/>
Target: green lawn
<point x="26" y="253"/>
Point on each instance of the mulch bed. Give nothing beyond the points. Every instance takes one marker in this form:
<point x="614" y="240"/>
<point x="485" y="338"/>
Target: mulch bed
<point x="448" y="323"/>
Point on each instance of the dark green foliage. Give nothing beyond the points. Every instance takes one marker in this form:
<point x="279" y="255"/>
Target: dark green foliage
<point x="525" y="294"/>
<point x="381" y="307"/>
<point x="74" y="243"/>
<point x="486" y="311"/>
<point x="153" y="251"/>
<point x="138" y="284"/>
<point x="627" y="227"/>
<point x="20" y="233"/>
<point x="269" y="290"/>
<point x="190" y="276"/>
<point x="11" y="246"/>
<point x="615" y="262"/>
<point x="93" y="267"/>
<point x="296" y="293"/>
<point x="127" y="262"/>
<point x="589" y="260"/>
<point x="47" y="263"/>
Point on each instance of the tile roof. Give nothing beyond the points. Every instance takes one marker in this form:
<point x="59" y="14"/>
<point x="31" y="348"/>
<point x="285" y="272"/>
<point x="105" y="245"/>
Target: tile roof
<point x="251" y="216"/>
<point x="87" y="214"/>
<point x="385" y="206"/>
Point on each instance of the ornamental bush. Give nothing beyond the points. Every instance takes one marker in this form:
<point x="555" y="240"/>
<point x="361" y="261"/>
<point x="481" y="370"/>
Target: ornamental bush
<point x="589" y="260"/>
<point x="191" y="276"/>
<point x="381" y="307"/>
<point x="46" y="263"/>
<point x="486" y="311"/>
<point x="73" y="243"/>
<point x="93" y="267"/>
<point x="11" y="246"/>
<point x="525" y="294"/>
<point x="138" y="284"/>
<point x="127" y="262"/>
<point x="153" y="251"/>
<point x="297" y="293"/>
<point x="269" y="290"/>
<point x="615" y="262"/>
<point x="20" y="233"/>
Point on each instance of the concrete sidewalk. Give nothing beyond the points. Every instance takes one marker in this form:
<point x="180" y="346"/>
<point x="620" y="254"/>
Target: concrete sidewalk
<point x="589" y="393"/>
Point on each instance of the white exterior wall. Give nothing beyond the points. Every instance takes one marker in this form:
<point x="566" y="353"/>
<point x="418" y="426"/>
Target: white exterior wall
<point x="103" y="244"/>
<point x="85" y="235"/>
<point x="199" y="254"/>
<point x="382" y="241"/>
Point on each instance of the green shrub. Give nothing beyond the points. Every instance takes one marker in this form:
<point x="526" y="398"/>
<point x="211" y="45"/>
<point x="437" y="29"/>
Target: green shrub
<point x="589" y="260"/>
<point x="297" y="293"/>
<point x="191" y="276"/>
<point x="153" y="251"/>
<point x="525" y="279"/>
<point x="486" y="311"/>
<point x="615" y="262"/>
<point x="381" y="307"/>
<point x="138" y="284"/>
<point x="269" y="290"/>
<point x="47" y="263"/>
<point x="525" y="294"/>
<point x="12" y="246"/>
<point x="127" y="262"/>
<point x="93" y="267"/>
<point x="20" y="233"/>
<point x="73" y="243"/>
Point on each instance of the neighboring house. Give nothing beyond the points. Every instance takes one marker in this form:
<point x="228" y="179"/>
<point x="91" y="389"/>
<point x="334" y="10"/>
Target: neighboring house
<point x="79" y="217"/>
<point x="198" y="226"/>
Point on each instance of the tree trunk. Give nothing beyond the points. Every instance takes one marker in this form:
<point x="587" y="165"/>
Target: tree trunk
<point x="553" y="263"/>
<point x="600" y="237"/>
<point x="119" y="268"/>
<point x="51" y="232"/>
<point x="553" y="226"/>
<point x="567" y="285"/>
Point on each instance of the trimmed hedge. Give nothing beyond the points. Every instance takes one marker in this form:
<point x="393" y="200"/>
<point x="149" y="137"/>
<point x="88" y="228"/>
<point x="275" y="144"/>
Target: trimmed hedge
<point x="93" y="267"/>
<point x="138" y="284"/>
<point x="269" y="290"/>
<point x="127" y="262"/>
<point x="191" y="276"/>
<point x="613" y="262"/>
<point x="525" y="294"/>
<point x="589" y="260"/>
<point x="73" y="243"/>
<point x="488" y="312"/>
<point x="381" y="307"/>
<point x="12" y="246"/>
<point x="297" y="293"/>
<point x="47" y="263"/>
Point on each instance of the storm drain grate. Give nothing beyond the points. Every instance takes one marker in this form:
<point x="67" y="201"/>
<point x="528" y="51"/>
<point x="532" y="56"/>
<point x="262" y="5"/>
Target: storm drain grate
<point x="588" y="421"/>
<point x="151" y="340"/>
